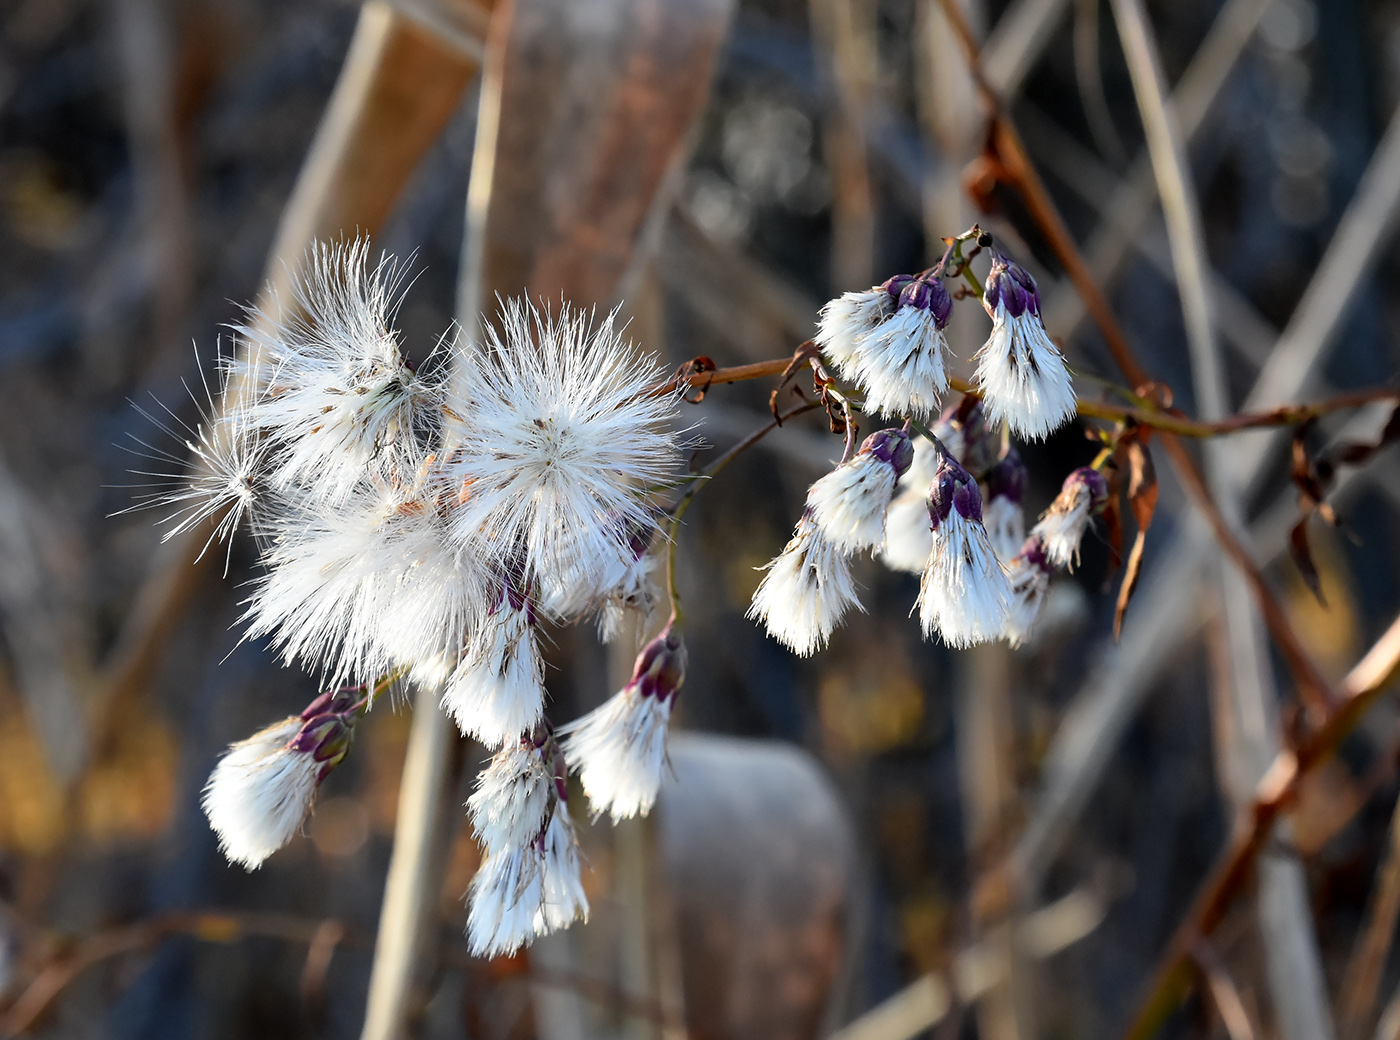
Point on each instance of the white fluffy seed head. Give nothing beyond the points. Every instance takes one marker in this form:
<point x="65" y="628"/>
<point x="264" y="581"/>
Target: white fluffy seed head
<point x="512" y="797"/>
<point x="564" y="899"/>
<point x="1061" y="527"/>
<point x="964" y="592"/>
<point x="326" y="380"/>
<point x="806" y="592"/>
<point x="901" y="364"/>
<point x="522" y="892"/>
<point x="496" y="693"/>
<point x="849" y="503"/>
<point x="1006" y="526"/>
<point x="259" y="793"/>
<point x="1028" y="574"/>
<point x="908" y="533"/>
<point x="619" y="749"/>
<point x="845" y="322"/>
<point x="368" y="586"/>
<point x="556" y="435"/>
<point x="505" y="897"/>
<point x="619" y="752"/>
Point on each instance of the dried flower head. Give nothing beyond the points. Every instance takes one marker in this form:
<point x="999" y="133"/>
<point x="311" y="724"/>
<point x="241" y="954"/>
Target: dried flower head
<point x="963" y="593"/>
<point x="1021" y="373"/>
<point x="1061" y="528"/>
<point x="806" y="592"/>
<point x="619" y="749"/>
<point x="555" y="436"/>
<point x="849" y="503"/>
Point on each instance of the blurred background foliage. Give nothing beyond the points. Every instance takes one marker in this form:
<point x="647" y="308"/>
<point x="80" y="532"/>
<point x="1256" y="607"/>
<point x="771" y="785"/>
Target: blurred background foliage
<point x="147" y="148"/>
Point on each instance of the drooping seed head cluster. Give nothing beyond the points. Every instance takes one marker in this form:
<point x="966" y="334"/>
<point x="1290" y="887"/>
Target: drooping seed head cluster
<point x="947" y="506"/>
<point x="422" y="523"/>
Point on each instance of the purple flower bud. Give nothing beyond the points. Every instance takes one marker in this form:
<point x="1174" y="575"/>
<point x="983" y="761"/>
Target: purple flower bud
<point x="660" y="668"/>
<point x="1033" y="552"/>
<point x="893" y="446"/>
<point x="1010" y="284"/>
<point x="895" y="286"/>
<point x="953" y="488"/>
<point x="1008" y="478"/>
<point x="326" y="738"/>
<point x="1094" y="482"/>
<point x="929" y="294"/>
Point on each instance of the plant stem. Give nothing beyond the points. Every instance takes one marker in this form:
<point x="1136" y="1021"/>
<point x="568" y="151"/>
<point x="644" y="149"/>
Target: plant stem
<point x="698" y="481"/>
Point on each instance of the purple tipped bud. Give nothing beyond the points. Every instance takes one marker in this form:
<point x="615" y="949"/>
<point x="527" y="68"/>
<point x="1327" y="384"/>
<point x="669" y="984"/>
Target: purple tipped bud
<point x="895" y="286"/>
<point x="893" y="446"/>
<point x="1033" y="552"/>
<point x="326" y="738"/>
<point x="1094" y="482"/>
<point x="660" y="668"/>
<point x="1010" y="285"/>
<point x="953" y="488"/>
<point x="928" y="294"/>
<point x="1008" y="478"/>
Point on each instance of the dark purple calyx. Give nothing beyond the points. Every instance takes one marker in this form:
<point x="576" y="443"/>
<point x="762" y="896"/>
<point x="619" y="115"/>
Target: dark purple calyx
<point x="893" y="446"/>
<point x="1008" y="478"/>
<point x="1094" y="482"/>
<point x="895" y="286"/>
<point x="1033" y="552"/>
<point x="928" y="294"/>
<point x="660" y="668"/>
<point x="1010" y="285"/>
<point x="953" y="488"/>
<point x="326" y="738"/>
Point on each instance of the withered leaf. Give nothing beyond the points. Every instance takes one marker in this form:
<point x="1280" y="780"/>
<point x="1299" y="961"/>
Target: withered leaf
<point x="1142" y="499"/>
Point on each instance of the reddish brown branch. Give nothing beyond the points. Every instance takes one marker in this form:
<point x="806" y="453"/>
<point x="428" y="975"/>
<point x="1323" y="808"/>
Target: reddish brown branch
<point x="1276" y="790"/>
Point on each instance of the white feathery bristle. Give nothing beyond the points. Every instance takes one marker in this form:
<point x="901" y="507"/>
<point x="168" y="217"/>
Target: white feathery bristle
<point x="1029" y="582"/>
<point x="964" y="592"/>
<point x="908" y="533"/>
<point x="511" y="799"/>
<point x="1061" y="527"/>
<point x="370" y="585"/>
<point x="845" y="322"/>
<point x="525" y="891"/>
<point x="1022" y="377"/>
<point x="219" y="478"/>
<point x="1006" y="526"/>
<point x="506" y="897"/>
<point x="901" y="364"/>
<point x="333" y="390"/>
<point x="557" y="436"/>
<point x="635" y="593"/>
<point x="259" y="793"/>
<point x="497" y="691"/>
<point x="806" y="592"/>
<point x="849" y="503"/>
<point x="619" y="751"/>
<point x="564" y="898"/>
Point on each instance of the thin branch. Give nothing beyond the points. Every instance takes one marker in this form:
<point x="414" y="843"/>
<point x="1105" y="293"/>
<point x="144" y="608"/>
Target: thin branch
<point x="1363" y="975"/>
<point x="1223" y="991"/>
<point x="1358" y="691"/>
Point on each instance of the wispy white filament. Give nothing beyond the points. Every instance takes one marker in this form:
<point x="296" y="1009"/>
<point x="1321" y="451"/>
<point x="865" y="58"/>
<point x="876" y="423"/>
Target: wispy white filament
<point x="901" y="364"/>
<point x="511" y="799"/>
<point x="964" y="592"/>
<point x="846" y="321"/>
<point x="1022" y="376"/>
<point x="849" y="503"/>
<point x="806" y="592"/>
<point x="554" y="439"/>
<point x="619" y="751"/>
<point x="497" y="691"/>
